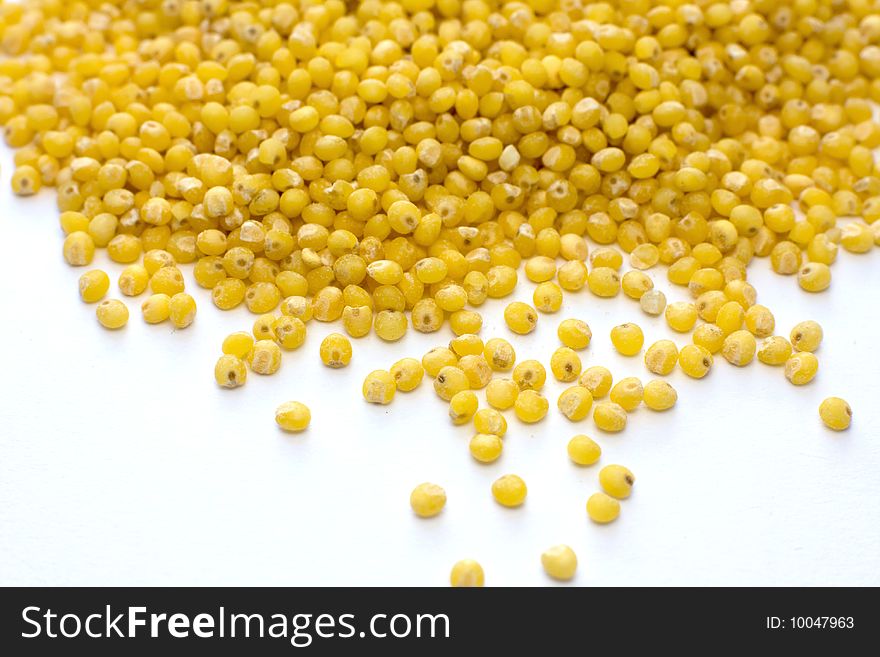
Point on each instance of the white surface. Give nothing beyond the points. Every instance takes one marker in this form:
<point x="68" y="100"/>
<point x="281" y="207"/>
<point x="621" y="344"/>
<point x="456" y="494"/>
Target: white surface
<point x="122" y="463"/>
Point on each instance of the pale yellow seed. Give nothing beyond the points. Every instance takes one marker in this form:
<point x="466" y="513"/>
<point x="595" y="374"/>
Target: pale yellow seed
<point x="559" y="562"/>
<point x="427" y="500"/>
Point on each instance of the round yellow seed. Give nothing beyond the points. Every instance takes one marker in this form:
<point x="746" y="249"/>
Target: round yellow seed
<point x="801" y="368"/>
<point x="628" y="393"/>
<point x="774" y="350"/>
<point x="530" y="375"/>
<point x="739" y="348"/>
<point x="476" y="369"/>
<point x="530" y="406"/>
<point x="466" y="574"/>
<point x="509" y="490"/>
<point x="520" y="318"/>
<point x="263" y="328"/>
<point x="609" y="416"/>
<point x="357" y="320"/>
<point x="467" y="345"/>
<point x="437" y="359"/>
<point x="264" y="357"/>
<point x="450" y="380"/>
<point x="182" y="310"/>
<point x="730" y="317"/>
<point x="547" y="297"/>
<point x="681" y="316"/>
<point x="627" y="339"/>
<point x="695" y="361"/>
<point x="602" y="508"/>
<point x="597" y="380"/>
<point x="575" y="403"/>
<point x="167" y="280"/>
<point x="760" y="321"/>
<point x="659" y="395"/>
<point x="583" y="450"/>
<point x="488" y="420"/>
<point x="379" y="387"/>
<point x="293" y="416"/>
<point x="486" y="447"/>
<point x="427" y="500"/>
<point x="502" y="393"/>
<point x="112" y="314"/>
<point x="806" y="336"/>
<point x="653" y="302"/>
<point x="604" y="282"/>
<point x="835" y="413"/>
<point x="710" y="337"/>
<point x="499" y="354"/>
<point x="465" y="321"/>
<point x="133" y="280"/>
<point x="230" y="371"/>
<point x="290" y="332"/>
<point x="565" y="364"/>
<point x="238" y="344"/>
<point x="574" y="334"/>
<point x="79" y="249"/>
<point x="390" y="325"/>
<point x="335" y="351"/>
<point x="407" y="374"/>
<point x="157" y="308"/>
<point x="814" y="277"/>
<point x="26" y="180"/>
<point x="635" y="284"/>
<point x="93" y="285"/>
<point x="661" y="357"/>
<point x="559" y="562"/>
<point x="617" y="481"/>
<point x="463" y="406"/>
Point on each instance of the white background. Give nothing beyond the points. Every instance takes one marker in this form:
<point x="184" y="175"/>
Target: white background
<point x="122" y="463"/>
